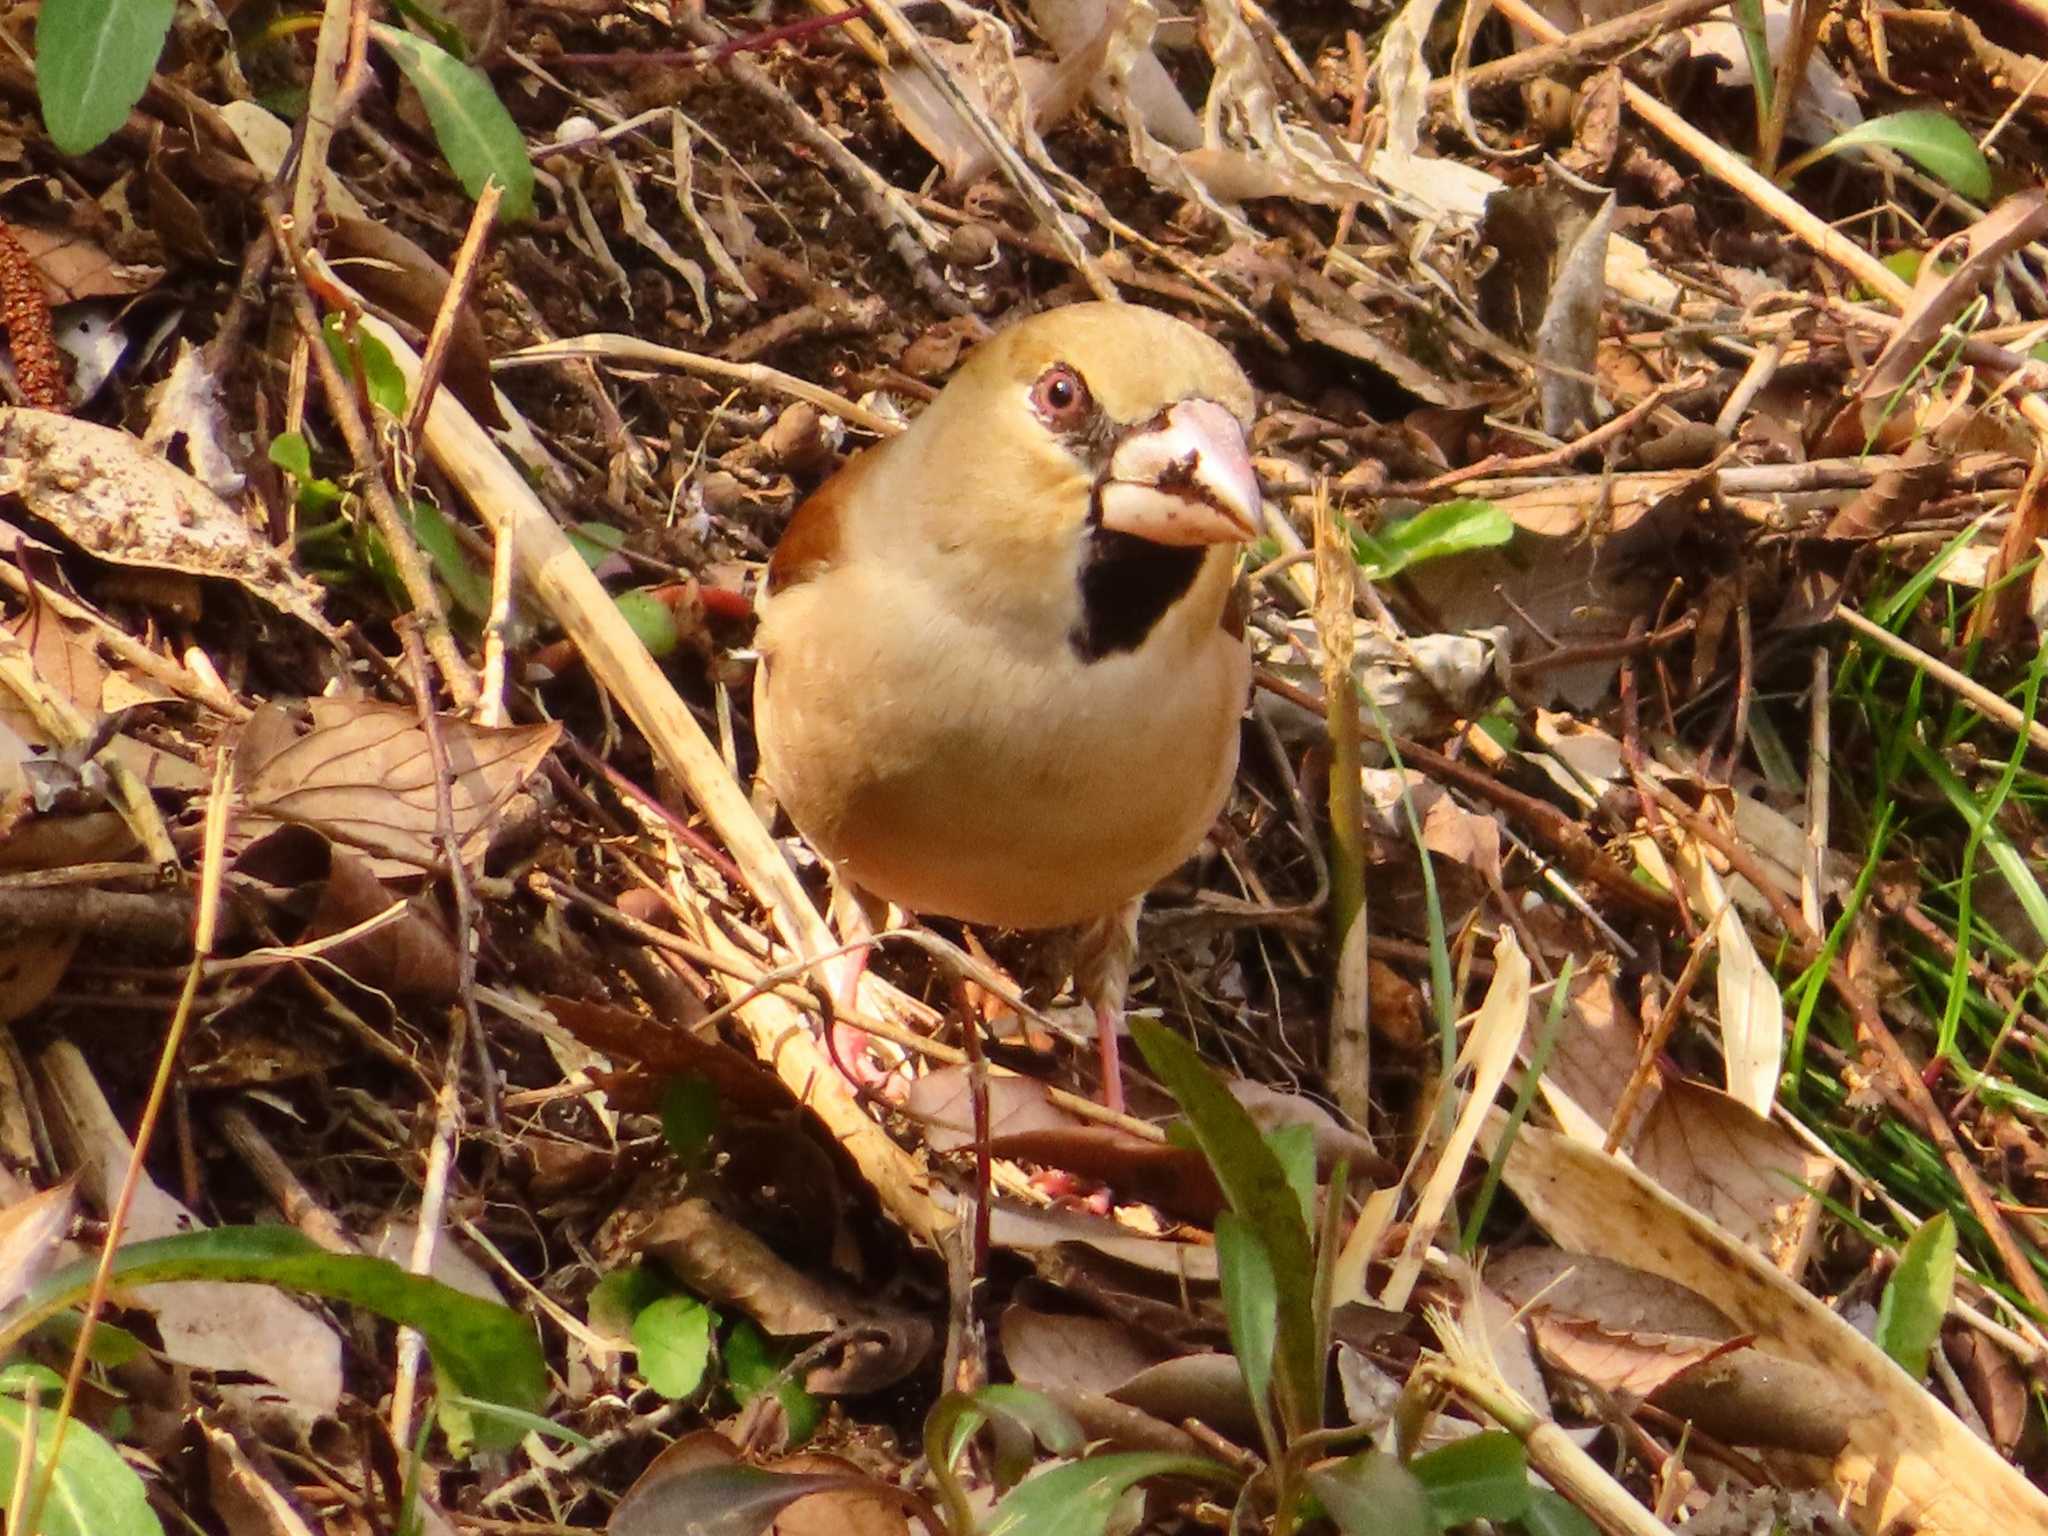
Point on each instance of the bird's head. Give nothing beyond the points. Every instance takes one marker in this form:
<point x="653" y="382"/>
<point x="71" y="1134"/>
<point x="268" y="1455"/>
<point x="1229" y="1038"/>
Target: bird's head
<point x="1093" y="442"/>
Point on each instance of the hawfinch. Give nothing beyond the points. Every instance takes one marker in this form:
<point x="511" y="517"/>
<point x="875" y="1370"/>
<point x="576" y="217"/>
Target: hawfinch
<point x="1002" y="666"/>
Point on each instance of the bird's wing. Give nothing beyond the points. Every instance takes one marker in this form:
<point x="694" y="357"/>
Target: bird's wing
<point x="816" y="536"/>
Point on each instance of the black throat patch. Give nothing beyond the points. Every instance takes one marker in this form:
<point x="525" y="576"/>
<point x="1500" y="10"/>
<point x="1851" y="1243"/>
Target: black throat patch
<point x="1127" y="584"/>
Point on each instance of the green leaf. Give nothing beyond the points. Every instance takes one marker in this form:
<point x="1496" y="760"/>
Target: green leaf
<point x="95" y="1492"/>
<point x="1372" y="1494"/>
<point x="651" y="620"/>
<point x="469" y="586"/>
<point x="1018" y="1415"/>
<point x="622" y="1295"/>
<point x="1916" y="1297"/>
<point x="673" y="1338"/>
<point x="689" y="1117"/>
<point x="358" y="354"/>
<point x="112" y="1346"/>
<point x="1552" y="1514"/>
<point x="959" y="1414"/>
<point x="517" y="1419"/>
<point x="17" y="1378"/>
<point x="1295" y="1146"/>
<point x="483" y="1349"/>
<point x="430" y="21"/>
<point x="471" y="125"/>
<point x="1251" y="1306"/>
<point x="751" y="1366"/>
<point x="596" y="542"/>
<point x="1932" y="140"/>
<point x="1448" y="528"/>
<point x="1258" y="1190"/>
<point x="93" y="62"/>
<point x="1482" y="1477"/>
<point x="1749" y="21"/>
<point x="1078" y="1498"/>
<point x="290" y="453"/>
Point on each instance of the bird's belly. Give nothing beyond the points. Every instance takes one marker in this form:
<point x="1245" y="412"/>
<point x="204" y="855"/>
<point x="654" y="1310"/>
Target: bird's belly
<point x="1022" y="812"/>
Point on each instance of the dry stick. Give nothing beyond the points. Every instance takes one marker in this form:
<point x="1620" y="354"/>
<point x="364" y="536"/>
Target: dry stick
<point x="1564" y="453"/>
<point x="219" y="806"/>
<point x="1659" y="1035"/>
<point x="1990" y="703"/>
<point x="286" y="1190"/>
<point x="1870" y="1027"/>
<point x="1586" y="47"/>
<point x="467" y="1027"/>
<point x="1819" y="765"/>
<point x="461" y="278"/>
<point x="1361" y="75"/>
<point x="340" y="25"/>
<point x="346" y="411"/>
<point x="631" y="349"/>
<point x="1349" y="1051"/>
<point x="490" y="706"/>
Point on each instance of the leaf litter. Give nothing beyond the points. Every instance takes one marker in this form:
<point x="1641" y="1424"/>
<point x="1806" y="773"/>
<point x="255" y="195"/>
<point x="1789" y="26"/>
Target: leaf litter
<point x="1701" y="729"/>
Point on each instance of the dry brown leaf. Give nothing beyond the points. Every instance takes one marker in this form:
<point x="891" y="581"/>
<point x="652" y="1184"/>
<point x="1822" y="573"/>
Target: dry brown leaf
<point x="1081" y="1354"/>
<point x="1032" y="1229"/>
<point x="109" y="495"/>
<point x="186" y="416"/>
<point x="31" y="1231"/>
<point x="1907" y="1458"/>
<point x="1632" y="1365"/>
<point x="363" y="774"/>
<point x="1746" y="1173"/>
<point x="1610" y="504"/>
<point x="942" y="1102"/>
<point x="1207" y="1387"/>
<point x="663" y="1500"/>
<point x="74" y="267"/>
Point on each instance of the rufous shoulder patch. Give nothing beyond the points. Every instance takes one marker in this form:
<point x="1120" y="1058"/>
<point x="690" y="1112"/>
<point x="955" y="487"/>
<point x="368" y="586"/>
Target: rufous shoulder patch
<point x="811" y="543"/>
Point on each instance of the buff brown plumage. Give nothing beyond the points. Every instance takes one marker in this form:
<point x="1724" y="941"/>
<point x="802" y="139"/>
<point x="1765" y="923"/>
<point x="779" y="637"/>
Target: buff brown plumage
<point x="1000" y="676"/>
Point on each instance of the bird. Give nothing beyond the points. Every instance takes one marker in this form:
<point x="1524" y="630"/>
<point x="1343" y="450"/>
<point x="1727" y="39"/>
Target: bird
<point x="1002" y="663"/>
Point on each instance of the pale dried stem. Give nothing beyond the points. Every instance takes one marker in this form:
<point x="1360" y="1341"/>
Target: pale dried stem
<point x="206" y="924"/>
<point x="616" y="348"/>
<point x="454" y="299"/>
<point x="1596" y="44"/>
<point x="465" y="1027"/>
<point x="1992" y="706"/>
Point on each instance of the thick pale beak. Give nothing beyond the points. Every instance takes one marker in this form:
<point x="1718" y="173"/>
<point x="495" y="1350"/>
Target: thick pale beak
<point x="1185" y="478"/>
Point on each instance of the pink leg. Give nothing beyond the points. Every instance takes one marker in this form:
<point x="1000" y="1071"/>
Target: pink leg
<point x="1102" y="974"/>
<point x="857" y="917"/>
<point x="1107" y="1018"/>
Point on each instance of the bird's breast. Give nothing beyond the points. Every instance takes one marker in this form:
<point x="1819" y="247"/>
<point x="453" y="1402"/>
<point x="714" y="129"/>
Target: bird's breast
<point x="941" y="766"/>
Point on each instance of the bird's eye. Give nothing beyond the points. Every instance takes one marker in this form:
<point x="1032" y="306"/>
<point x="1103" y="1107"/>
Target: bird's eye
<point x="1060" y="398"/>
